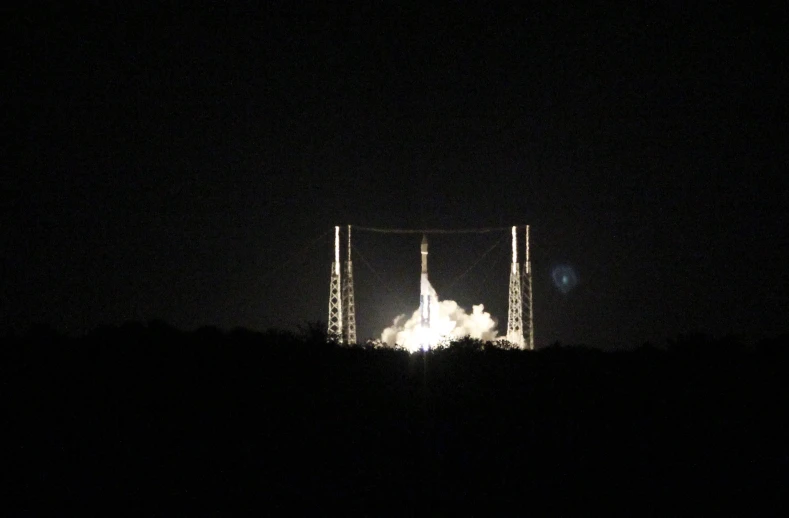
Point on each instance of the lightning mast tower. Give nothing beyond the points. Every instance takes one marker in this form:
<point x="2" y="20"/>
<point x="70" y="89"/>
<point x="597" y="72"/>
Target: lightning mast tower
<point x="528" y="324"/>
<point x="348" y="303"/>
<point x="335" y="293"/>
<point x="515" y="315"/>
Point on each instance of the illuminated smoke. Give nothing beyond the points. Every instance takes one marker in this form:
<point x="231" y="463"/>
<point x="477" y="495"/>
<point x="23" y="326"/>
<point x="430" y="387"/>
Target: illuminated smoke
<point x="448" y="321"/>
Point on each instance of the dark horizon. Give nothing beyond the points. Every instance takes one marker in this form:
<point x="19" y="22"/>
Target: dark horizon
<point x="134" y="417"/>
<point x="172" y="164"/>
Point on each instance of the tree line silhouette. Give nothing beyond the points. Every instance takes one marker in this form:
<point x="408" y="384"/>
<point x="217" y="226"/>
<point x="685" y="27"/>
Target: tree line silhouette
<point x="291" y="422"/>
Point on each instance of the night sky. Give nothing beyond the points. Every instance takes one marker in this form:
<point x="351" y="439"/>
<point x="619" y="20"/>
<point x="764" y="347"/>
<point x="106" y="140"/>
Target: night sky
<point x="188" y="166"/>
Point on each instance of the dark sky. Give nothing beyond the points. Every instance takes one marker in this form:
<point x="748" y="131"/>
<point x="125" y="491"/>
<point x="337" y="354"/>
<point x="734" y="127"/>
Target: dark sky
<point x="184" y="165"/>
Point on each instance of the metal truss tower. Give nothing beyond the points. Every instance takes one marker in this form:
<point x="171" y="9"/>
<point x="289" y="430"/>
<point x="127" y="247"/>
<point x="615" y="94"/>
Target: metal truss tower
<point x="335" y="294"/>
<point x="515" y="315"/>
<point x="342" y="304"/>
<point x="348" y="303"/>
<point x="528" y="324"/>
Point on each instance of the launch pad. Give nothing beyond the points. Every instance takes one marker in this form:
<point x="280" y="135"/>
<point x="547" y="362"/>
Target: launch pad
<point x="342" y="307"/>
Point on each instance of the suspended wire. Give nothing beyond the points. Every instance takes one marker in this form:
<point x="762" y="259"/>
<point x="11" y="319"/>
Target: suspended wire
<point x="492" y="267"/>
<point x="489" y="250"/>
<point x="266" y="280"/>
<point x="377" y="276"/>
<point x="299" y="253"/>
<point x="431" y="230"/>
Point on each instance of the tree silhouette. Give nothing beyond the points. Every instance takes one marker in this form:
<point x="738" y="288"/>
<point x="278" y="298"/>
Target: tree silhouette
<point x="142" y="412"/>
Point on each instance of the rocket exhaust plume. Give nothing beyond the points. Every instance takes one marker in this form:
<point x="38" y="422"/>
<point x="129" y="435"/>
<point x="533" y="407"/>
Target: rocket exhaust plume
<point x="436" y="320"/>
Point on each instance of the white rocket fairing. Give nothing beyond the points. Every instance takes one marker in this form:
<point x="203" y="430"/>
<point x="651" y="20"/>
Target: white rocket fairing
<point x="428" y="298"/>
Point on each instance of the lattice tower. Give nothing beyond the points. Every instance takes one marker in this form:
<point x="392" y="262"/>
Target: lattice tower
<point x="515" y="314"/>
<point x="348" y="302"/>
<point x="335" y="293"/>
<point x="526" y="292"/>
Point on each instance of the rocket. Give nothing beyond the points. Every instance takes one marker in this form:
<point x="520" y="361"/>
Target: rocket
<point x="425" y="288"/>
<point x="424" y="254"/>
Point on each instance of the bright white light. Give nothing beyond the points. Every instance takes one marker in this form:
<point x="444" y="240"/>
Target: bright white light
<point x="514" y="245"/>
<point x="448" y="322"/>
<point x="337" y="250"/>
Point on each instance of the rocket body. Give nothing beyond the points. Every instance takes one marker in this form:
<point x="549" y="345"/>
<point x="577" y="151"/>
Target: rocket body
<point x="424" y="301"/>
<point x="423" y="249"/>
<point x="425" y="289"/>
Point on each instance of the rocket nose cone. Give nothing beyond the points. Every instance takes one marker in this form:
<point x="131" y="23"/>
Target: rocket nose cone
<point x="424" y="239"/>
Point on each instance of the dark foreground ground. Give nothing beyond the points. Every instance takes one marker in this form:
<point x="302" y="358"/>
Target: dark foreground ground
<point x="147" y="418"/>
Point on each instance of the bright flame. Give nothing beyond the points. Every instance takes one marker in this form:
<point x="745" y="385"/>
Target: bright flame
<point x="448" y="321"/>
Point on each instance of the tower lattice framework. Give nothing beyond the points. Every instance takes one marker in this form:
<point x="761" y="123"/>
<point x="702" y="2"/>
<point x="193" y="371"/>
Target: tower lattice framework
<point x="342" y="304"/>
<point x="526" y="292"/>
<point x="335" y="293"/>
<point x="348" y="300"/>
<point x="515" y="313"/>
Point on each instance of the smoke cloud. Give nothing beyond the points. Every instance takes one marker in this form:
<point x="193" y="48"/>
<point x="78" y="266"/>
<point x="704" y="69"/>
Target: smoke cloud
<point x="448" y="321"/>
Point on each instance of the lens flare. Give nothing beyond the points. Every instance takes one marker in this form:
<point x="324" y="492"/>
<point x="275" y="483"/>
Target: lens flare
<point x="564" y="278"/>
